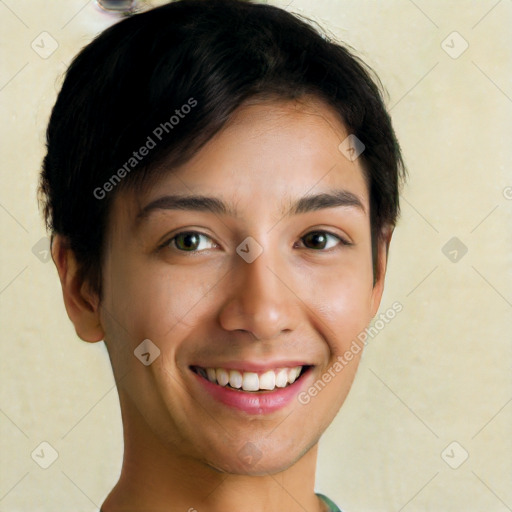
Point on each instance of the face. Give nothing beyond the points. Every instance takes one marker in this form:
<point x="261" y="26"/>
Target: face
<point x="255" y="294"/>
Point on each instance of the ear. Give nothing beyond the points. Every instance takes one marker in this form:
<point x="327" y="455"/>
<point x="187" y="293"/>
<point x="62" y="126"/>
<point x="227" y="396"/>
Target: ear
<point x="378" y="288"/>
<point x="82" y="306"/>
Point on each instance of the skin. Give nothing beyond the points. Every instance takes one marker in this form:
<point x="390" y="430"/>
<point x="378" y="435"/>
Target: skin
<point x="297" y="298"/>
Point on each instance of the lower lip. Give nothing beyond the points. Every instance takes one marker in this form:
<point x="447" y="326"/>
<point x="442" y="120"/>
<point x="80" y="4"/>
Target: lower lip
<point x="255" y="403"/>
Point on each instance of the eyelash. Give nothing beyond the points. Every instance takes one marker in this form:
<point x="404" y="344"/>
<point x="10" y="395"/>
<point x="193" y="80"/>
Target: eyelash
<point x="166" y="244"/>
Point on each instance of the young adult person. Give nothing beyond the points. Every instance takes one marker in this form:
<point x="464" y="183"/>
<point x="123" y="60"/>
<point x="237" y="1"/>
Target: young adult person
<point x="221" y="184"/>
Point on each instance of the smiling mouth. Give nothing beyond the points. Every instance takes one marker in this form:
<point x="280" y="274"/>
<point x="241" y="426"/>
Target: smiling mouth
<point x="252" y="382"/>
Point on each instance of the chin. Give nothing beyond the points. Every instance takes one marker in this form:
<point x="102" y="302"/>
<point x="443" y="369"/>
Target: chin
<point x="254" y="460"/>
<point x="240" y="467"/>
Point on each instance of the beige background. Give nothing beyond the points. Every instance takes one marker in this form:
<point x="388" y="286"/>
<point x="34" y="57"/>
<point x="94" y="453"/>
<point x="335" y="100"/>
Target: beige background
<point x="439" y="372"/>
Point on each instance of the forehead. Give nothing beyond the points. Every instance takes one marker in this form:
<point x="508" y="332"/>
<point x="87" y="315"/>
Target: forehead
<point x="272" y="149"/>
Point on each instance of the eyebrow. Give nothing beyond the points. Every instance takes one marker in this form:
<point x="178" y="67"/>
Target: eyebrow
<point x="333" y="199"/>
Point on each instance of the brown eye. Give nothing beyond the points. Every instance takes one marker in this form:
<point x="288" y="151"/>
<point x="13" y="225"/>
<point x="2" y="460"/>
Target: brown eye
<point x="319" y="239"/>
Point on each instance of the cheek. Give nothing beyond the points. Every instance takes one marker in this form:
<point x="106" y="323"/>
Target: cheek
<point x="342" y="299"/>
<point x="150" y="300"/>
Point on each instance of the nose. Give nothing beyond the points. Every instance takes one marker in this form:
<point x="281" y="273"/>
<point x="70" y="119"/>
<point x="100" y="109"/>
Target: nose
<point x="260" y="300"/>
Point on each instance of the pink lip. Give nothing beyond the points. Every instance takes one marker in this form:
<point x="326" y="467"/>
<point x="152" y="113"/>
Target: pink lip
<point x="255" y="403"/>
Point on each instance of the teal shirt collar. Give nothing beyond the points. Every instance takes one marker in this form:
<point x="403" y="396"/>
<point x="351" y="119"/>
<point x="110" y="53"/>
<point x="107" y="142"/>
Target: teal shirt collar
<point x="333" y="507"/>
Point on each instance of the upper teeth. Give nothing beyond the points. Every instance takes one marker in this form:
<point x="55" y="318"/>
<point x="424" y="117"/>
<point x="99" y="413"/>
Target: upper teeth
<point x="252" y="381"/>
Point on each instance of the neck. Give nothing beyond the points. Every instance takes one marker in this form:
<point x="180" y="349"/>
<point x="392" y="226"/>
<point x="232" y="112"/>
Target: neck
<point x="156" y="478"/>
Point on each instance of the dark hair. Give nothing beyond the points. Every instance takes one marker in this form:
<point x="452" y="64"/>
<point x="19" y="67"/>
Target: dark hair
<point x="211" y="55"/>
